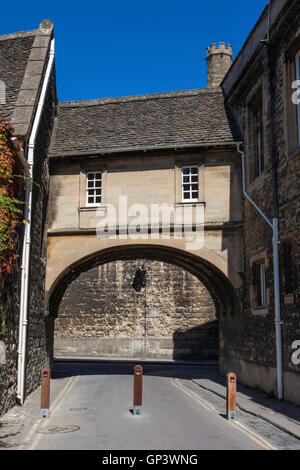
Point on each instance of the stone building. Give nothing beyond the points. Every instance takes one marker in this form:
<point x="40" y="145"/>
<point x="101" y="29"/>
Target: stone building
<point x="124" y="171"/>
<point x="260" y="87"/>
<point x="141" y="146"/>
<point x="146" y="149"/>
<point x="24" y="59"/>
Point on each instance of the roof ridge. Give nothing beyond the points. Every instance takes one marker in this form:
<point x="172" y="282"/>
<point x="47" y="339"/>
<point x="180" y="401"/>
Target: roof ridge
<point x="20" y="34"/>
<point x="145" y="97"/>
<point x="45" y="29"/>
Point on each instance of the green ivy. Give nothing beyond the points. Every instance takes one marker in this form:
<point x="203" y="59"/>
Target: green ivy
<point x="3" y="327"/>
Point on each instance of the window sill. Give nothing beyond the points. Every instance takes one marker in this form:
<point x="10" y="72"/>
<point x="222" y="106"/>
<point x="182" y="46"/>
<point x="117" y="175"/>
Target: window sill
<point x="289" y="299"/>
<point x="261" y="311"/>
<point x="92" y="208"/>
<point x="189" y="203"/>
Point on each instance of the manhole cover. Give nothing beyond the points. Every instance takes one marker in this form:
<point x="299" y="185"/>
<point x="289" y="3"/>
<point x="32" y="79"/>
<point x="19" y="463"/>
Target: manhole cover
<point x="59" y="429"/>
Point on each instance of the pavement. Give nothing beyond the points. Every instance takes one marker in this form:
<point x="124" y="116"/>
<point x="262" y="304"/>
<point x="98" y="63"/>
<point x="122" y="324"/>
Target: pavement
<point x="284" y="415"/>
<point x="184" y="407"/>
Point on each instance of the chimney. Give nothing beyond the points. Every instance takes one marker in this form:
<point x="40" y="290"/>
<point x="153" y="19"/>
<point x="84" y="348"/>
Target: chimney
<point x="46" y="24"/>
<point x="218" y="60"/>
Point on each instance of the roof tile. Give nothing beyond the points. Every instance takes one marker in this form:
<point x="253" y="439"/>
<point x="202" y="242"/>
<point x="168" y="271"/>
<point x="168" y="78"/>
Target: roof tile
<point x="183" y="118"/>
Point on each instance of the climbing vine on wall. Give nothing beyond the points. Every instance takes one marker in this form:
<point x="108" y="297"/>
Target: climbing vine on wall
<point x="11" y="173"/>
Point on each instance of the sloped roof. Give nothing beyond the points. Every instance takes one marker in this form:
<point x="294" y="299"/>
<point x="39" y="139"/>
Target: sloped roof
<point x="14" y="55"/>
<point x="23" y="59"/>
<point x="165" y="120"/>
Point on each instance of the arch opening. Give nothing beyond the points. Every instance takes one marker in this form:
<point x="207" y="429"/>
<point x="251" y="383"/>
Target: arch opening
<point x="143" y="335"/>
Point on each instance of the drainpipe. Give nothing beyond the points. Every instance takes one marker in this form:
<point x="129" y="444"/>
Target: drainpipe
<point x="275" y="203"/>
<point x="276" y="242"/>
<point x="23" y="321"/>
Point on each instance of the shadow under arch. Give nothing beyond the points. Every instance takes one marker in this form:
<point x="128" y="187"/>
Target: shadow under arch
<point x="218" y="285"/>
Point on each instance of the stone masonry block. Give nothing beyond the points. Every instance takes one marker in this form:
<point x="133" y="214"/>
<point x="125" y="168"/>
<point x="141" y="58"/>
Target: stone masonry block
<point x="38" y="53"/>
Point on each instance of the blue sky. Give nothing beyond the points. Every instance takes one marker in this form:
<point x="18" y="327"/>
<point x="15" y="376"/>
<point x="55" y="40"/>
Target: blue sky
<point x="120" y="48"/>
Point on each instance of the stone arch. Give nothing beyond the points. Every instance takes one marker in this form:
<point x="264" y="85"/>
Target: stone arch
<point x="221" y="289"/>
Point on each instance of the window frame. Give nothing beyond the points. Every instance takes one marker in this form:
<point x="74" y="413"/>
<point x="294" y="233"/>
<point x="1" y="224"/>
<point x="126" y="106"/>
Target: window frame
<point x="259" y="290"/>
<point x="257" y="135"/>
<point x="93" y="204"/>
<point x="191" y="199"/>
<point x="297" y="76"/>
<point x="262" y="286"/>
<point x="288" y="268"/>
<point x="292" y="108"/>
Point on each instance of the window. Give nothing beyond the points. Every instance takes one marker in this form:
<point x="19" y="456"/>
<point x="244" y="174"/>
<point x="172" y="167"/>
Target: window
<point x="93" y="188"/>
<point x="288" y="277"/>
<point x="256" y="141"/>
<point x="190" y="184"/>
<point x="292" y="105"/>
<point x="297" y="63"/>
<point x="259" y="282"/>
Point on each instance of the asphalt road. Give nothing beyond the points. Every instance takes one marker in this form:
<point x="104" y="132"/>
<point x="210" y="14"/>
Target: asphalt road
<point x="93" y="411"/>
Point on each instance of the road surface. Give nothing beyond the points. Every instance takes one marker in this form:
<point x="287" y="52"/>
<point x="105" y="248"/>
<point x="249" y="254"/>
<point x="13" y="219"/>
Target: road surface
<point x="93" y="411"/>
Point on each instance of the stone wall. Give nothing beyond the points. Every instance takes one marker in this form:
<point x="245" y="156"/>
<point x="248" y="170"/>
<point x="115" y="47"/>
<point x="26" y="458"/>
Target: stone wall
<point x="38" y="347"/>
<point x="101" y="314"/>
<point x="10" y="287"/>
<point x="250" y="337"/>
<point x="38" y="350"/>
<point x="10" y="304"/>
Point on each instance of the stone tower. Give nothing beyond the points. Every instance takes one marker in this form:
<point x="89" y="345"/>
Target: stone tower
<point x="218" y="60"/>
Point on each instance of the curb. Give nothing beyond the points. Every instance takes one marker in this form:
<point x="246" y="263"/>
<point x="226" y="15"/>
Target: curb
<point x="136" y="360"/>
<point x="257" y="415"/>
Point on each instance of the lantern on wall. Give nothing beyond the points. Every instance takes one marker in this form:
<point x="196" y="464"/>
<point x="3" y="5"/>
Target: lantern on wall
<point x="139" y="280"/>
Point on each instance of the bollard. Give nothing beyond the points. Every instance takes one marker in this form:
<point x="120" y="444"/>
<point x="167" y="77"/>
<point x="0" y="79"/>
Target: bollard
<point x="231" y="396"/>
<point x="137" y="390"/>
<point x="45" y="393"/>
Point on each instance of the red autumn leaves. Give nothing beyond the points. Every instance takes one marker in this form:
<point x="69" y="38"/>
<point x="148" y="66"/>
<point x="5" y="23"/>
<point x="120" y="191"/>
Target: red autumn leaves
<point x="10" y="210"/>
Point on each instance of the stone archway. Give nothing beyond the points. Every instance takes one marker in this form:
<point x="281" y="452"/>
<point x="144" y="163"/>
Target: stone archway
<point x="172" y="317"/>
<point x="219" y="287"/>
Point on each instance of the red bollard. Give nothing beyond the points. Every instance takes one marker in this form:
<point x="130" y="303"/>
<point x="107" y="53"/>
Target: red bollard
<point x="231" y="396"/>
<point x="138" y="390"/>
<point x="45" y="393"/>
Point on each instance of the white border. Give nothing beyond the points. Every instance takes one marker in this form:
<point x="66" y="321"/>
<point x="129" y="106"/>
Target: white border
<point x="182" y="168"/>
<point x="92" y="204"/>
